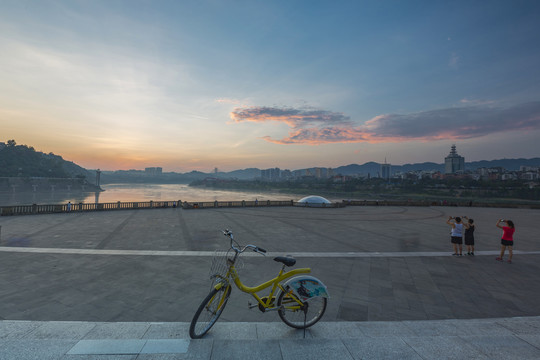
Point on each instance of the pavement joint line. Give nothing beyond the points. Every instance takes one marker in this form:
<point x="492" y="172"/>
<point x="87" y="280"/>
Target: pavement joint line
<point x="349" y="254"/>
<point x="130" y="347"/>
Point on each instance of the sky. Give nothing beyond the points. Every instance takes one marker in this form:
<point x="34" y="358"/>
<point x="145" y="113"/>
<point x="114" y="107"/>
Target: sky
<point x="197" y="85"/>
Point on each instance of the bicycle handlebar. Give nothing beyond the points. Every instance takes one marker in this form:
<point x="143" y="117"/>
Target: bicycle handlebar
<point x="256" y="249"/>
<point x="239" y="248"/>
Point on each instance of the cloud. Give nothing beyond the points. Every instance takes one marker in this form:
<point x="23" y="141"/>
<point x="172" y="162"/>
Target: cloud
<point x="316" y="136"/>
<point x="314" y="127"/>
<point x="456" y="123"/>
<point x="228" y="101"/>
<point x="454" y="60"/>
<point x="290" y="116"/>
<point x="471" y="102"/>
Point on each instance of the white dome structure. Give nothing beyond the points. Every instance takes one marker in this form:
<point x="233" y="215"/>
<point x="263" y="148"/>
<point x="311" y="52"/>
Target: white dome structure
<point x="314" y="201"/>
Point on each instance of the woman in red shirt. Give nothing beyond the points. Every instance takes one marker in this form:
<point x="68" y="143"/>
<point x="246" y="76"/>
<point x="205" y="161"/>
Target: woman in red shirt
<point x="507" y="238"/>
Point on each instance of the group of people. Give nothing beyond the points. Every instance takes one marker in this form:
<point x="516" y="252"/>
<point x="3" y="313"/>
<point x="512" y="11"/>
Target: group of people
<point x="461" y="230"/>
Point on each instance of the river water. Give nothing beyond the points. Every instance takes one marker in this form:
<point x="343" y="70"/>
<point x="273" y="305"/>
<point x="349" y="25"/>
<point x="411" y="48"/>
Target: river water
<point x="139" y="193"/>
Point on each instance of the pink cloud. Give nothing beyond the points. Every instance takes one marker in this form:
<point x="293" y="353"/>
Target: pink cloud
<point x="443" y="124"/>
<point x="316" y="136"/>
<point x="290" y="116"/>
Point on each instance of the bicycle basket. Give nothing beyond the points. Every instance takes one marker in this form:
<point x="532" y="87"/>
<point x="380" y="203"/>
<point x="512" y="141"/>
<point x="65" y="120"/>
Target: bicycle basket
<point x="220" y="265"/>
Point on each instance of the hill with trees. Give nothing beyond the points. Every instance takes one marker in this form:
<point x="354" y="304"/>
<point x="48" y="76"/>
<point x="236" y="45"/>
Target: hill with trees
<point x="25" y="161"/>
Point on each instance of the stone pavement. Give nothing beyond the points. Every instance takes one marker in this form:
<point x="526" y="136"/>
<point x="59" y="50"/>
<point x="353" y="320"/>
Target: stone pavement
<point x="499" y="338"/>
<point x="68" y="280"/>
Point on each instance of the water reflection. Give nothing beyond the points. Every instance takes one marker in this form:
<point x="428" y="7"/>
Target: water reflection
<point x="52" y="197"/>
<point x="139" y="192"/>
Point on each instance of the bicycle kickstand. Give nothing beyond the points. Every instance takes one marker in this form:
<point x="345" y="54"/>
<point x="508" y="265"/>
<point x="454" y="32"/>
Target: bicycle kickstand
<point x="305" y="318"/>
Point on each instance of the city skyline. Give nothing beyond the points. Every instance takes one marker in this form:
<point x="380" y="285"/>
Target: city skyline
<point x="253" y="84"/>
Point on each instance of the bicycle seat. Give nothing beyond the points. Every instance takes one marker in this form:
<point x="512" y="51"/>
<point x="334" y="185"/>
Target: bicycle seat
<point x="288" y="261"/>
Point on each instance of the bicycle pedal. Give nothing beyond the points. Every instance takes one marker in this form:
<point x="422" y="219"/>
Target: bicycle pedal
<point x="251" y="306"/>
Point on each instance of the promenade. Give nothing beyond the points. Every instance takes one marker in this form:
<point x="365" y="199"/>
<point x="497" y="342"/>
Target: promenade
<point x="128" y="282"/>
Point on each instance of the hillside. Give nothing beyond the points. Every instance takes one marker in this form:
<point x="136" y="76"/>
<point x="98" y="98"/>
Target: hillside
<point x="24" y="161"/>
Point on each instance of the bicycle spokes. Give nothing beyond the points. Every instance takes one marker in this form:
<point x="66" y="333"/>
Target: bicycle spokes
<point x="300" y="314"/>
<point x="292" y="303"/>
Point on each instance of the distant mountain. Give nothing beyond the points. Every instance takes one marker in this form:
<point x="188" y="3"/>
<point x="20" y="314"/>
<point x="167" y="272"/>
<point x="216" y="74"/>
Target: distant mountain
<point x="355" y="169"/>
<point x="426" y="166"/>
<point x="508" y="164"/>
<point x="244" y="174"/>
<point x="373" y="168"/>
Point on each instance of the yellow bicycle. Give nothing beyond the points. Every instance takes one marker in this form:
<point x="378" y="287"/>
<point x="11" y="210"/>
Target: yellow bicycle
<point x="301" y="300"/>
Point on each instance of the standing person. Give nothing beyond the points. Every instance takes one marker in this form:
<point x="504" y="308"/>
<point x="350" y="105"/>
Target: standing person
<point x="469" y="235"/>
<point x="456" y="234"/>
<point x="507" y="239"/>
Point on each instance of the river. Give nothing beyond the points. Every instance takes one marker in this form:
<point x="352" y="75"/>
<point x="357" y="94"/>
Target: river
<point x="139" y="193"/>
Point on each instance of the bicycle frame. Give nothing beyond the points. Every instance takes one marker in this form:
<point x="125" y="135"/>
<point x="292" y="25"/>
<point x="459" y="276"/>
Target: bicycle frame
<point x="275" y="283"/>
<point x="296" y="291"/>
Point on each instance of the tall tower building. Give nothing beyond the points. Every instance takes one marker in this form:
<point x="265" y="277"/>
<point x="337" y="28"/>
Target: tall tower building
<point x="98" y="177"/>
<point x="386" y="170"/>
<point x="453" y="162"/>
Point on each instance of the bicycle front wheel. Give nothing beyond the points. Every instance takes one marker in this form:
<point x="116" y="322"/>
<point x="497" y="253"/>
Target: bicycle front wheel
<point x="300" y="314"/>
<point x="209" y="311"/>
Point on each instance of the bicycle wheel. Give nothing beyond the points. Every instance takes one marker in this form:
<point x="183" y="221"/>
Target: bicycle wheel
<point x="209" y="311"/>
<point x="298" y="314"/>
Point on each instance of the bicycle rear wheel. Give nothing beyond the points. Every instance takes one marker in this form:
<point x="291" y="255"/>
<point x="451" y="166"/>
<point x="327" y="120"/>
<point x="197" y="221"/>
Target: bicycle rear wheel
<point x="299" y="314"/>
<point x="209" y="311"/>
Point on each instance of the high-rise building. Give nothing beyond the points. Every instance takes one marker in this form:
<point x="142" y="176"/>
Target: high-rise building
<point x="453" y="162"/>
<point x="98" y="178"/>
<point x="153" y="171"/>
<point x="386" y="170"/>
<point x="271" y="174"/>
<point x="330" y="173"/>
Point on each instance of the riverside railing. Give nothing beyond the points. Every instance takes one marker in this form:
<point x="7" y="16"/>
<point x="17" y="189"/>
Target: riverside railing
<point x="242" y="203"/>
<point x="86" y="207"/>
<point x="63" y="208"/>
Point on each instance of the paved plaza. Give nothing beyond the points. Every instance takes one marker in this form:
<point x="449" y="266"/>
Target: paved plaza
<point x="389" y="270"/>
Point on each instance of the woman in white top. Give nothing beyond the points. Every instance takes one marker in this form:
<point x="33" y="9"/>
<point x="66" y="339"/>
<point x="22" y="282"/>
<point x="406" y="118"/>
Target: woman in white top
<point x="456" y="234"/>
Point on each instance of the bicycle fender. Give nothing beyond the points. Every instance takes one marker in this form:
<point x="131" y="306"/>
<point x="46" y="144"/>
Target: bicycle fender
<point x="219" y="285"/>
<point x="306" y="287"/>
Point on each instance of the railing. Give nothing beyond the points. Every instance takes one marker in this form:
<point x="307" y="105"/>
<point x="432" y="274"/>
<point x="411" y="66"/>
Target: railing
<point x="62" y="208"/>
<point x="343" y="203"/>
<point x="243" y="203"/>
<point x="83" y="207"/>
